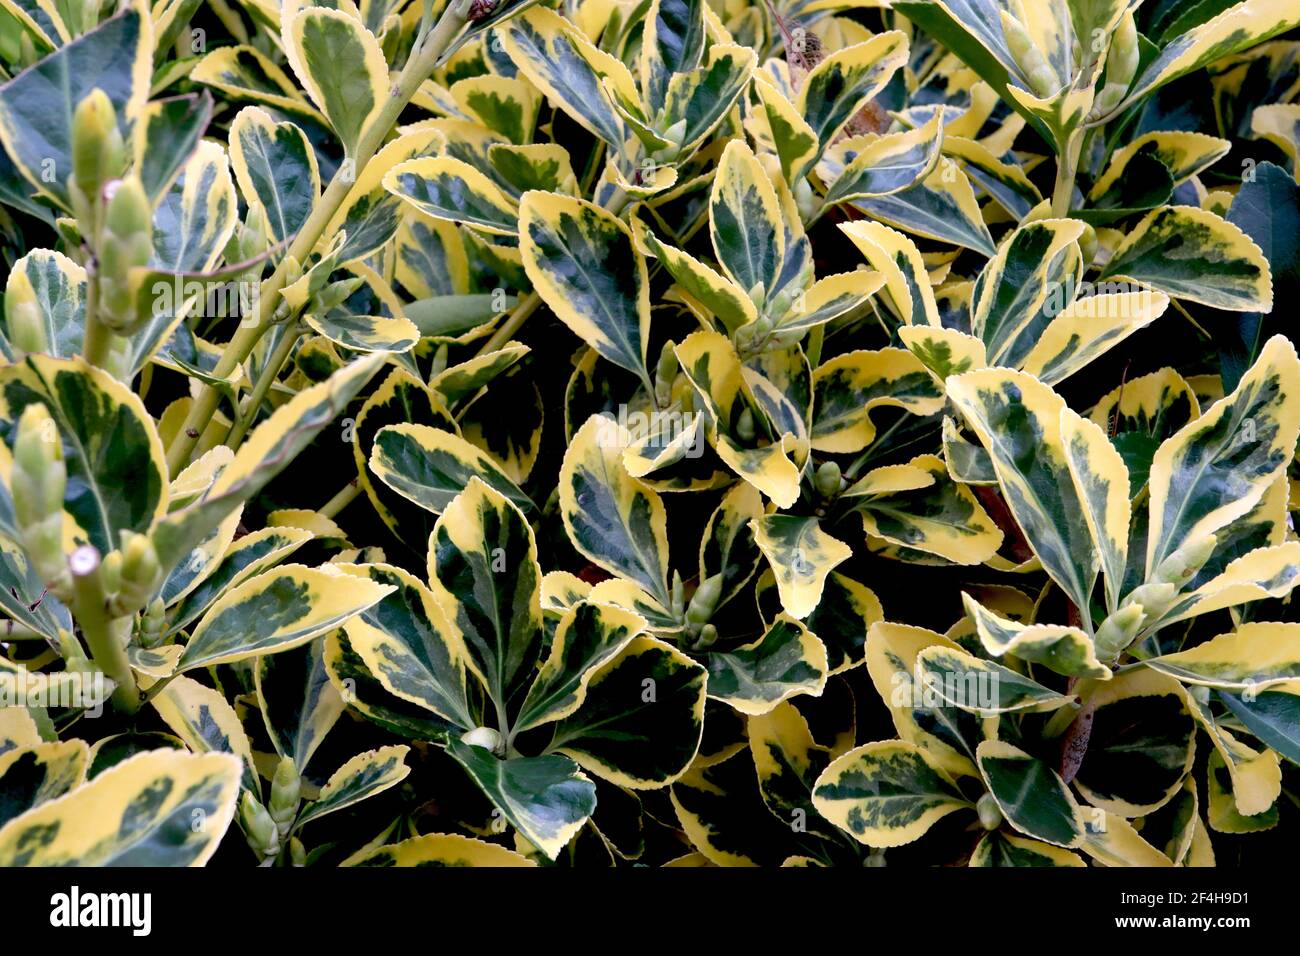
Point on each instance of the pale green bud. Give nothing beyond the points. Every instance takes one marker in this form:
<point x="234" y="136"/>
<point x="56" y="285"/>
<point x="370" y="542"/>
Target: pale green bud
<point x="153" y="623"/>
<point x="1154" y="596"/>
<point x="1028" y="57"/>
<point x="677" y="594"/>
<point x="784" y="340"/>
<point x="676" y="133"/>
<point x="333" y="295"/>
<point x="112" y="572"/>
<point x="1184" y="564"/>
<point x="1109" y="98"/>
<point x="141" y="571"/>
<point x="98" y="153"/>
<point x="127" y="244"/>
<point x="746" y="429"/>
<point x="438" y="364"/>
<point x="804" y="199"/>
<point x="286" y="788"/>
<point x="263" y="834"/>
<point x="989" y="812"/>
<point x="24" y="320"/>
<point x="828" y="479"/>
<point x="252" y="235"/>
<point x="705" y="600"/>
<point x="37" y="483"/>
<point x="1122" y="60"/>
<point x="708" y="636"/>
<point x="665" y="375"/>
<point x="781" y="302"/>
<point x="1118" y="631"/>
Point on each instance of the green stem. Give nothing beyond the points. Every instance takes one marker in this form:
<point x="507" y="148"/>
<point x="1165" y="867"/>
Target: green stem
<point x="265" y="379"/>
<point x="347" y="494"/>
<point x="513" y="323"/>
<point x="90" y="603"/>
<point x="97" y="346"/>
<point x="1067" y="168"/>
<point x="417" y="69"/>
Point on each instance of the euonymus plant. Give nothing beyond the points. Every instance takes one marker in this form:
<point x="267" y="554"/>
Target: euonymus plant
<point x="500" y="432"/>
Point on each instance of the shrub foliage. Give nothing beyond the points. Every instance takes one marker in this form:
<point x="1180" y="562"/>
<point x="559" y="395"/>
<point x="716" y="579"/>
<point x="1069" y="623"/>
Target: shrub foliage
<point x="807" y="432"/>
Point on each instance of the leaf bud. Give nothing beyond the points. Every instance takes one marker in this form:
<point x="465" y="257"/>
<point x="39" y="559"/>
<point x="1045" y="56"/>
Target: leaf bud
<point x="263" y="835"/>
<point x="286" y="788"/>
<point x="1118" y="631"/>
<point x="141" y="571"/>
<point x="746" y="429"/>
<point x="252" y="234"/>
<point x="98" y="154"/>
<point x="23" y="319"/>
<point x="804" y="199"/>
<point x="112" y="571"/>
<point x="1185" y="563"/>
<point x="153" y="623"/>
<point x="1028" y="57"/>
<point x="678" y="595"/>
<point x="782" y="301"/>
<point x="1154" y="596"/>
<point x="1109" y="98"/>
<point x="676" y="134"/>
<point x="127" y="244"/>
<point x="989" y="812"/>
<point x="828" y="479"/>
<point x="705" y="600"/>
<point x="665" y="375"/>
<point x="1122" y="59"/>
<point x="37" y="482"/>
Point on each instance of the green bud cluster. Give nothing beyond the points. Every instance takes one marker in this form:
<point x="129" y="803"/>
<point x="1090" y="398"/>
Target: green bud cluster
<point x="1121" y="67"/>
<point x="153" y="623"/>
<point x="259" y="829"/>
<point x="1042" y="81"/>
<point x="286" y="792"/>
<point x="1118" y="631"/>
<point x="98" y="156"/>
<point x="705" y="600"/>
<point x="37" y="483"/>
<point x="126" y="243"/>
<point x="141" y="573"/>
<point x="665" y="376"/>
